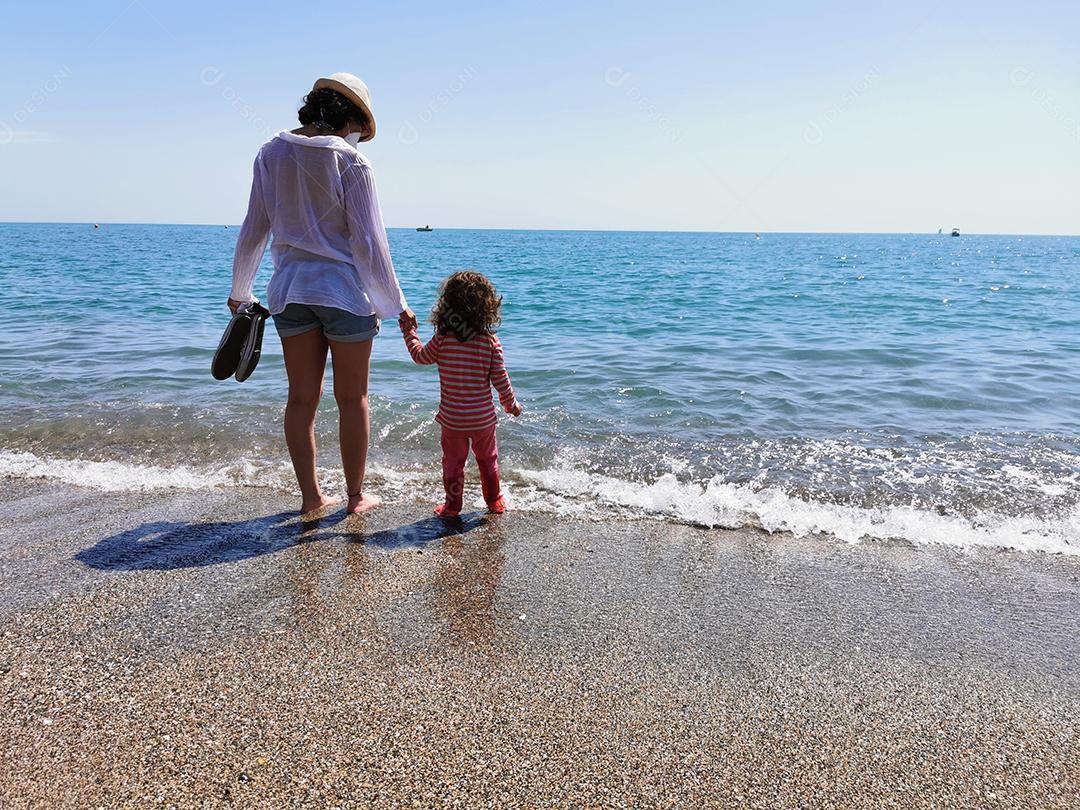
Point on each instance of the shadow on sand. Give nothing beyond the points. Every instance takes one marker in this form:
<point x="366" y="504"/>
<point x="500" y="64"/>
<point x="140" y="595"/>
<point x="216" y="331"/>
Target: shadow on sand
<point x="164" y="546"/>
<point x="419" y="534"/>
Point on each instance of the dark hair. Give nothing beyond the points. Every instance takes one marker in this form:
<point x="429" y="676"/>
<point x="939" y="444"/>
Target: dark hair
<point x="467" y="305"/>
<point x="327" y="110"/>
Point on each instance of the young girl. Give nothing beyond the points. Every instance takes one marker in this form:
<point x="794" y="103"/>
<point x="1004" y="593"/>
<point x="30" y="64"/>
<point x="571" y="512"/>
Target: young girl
<point x="470" y="360"/>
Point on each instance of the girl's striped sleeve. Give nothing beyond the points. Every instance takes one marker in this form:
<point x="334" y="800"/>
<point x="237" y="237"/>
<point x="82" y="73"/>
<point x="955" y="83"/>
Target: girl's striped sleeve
<point x="424" y="355"/>
<point x="499" y="378"/>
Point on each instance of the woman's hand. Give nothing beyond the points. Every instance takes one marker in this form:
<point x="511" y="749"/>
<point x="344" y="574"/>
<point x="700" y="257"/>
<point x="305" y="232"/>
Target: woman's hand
<point x="234" y="304"/>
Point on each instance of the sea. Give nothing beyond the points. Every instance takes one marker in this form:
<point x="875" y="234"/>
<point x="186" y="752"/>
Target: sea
<point x="913" y="388"/>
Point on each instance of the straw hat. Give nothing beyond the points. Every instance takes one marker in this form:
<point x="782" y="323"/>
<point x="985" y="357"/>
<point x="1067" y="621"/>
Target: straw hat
<point x="354" y="90"/>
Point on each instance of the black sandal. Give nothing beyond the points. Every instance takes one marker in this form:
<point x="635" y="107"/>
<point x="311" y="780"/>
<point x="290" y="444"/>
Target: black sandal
<point x="240" y="346"/>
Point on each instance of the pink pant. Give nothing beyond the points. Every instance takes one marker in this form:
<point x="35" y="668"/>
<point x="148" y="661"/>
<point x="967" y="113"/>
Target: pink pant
<point x="455" y="449"/>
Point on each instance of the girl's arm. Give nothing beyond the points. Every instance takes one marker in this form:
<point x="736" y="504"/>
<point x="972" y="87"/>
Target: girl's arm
<point x="251" y="243"/>
<point x="424" y="355"/>
<point x="501" y="380"/>
<point x="367" y="237"/>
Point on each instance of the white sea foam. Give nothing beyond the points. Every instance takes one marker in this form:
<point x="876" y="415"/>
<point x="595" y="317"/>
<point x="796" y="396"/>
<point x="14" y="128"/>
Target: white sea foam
<point x="117" y="476"/>
<point x="726" y="505"/>
<point x="566" y="490"/>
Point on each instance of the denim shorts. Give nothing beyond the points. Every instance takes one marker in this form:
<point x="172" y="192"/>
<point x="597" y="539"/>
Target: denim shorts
<point x="336" y="324"/>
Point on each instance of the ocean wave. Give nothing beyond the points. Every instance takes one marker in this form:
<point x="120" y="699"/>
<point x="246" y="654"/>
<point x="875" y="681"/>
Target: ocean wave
<point x="118" y="476"/>
<point x="121" y="476"/>
<point x="566" y="490"/>
<point x="720" y="504"/>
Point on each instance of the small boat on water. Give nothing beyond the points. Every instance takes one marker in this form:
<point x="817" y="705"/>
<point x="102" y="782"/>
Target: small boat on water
<point x="425" y="229"/>
<point x="955" y="231"/>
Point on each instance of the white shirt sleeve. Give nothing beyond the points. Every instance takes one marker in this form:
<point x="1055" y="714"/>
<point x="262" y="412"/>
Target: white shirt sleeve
<point x="251" y="243"/>
<point x="367" y="237"/>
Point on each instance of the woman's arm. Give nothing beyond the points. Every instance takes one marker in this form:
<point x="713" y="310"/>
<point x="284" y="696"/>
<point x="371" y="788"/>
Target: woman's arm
<point x="367" y="237"/>
<point x="251" y="244"/>
<point x="424" y="355"/>
<point x="501" y="380"/>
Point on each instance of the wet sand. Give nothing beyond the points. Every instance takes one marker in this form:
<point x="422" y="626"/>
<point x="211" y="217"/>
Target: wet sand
<point x="208" y="649"/>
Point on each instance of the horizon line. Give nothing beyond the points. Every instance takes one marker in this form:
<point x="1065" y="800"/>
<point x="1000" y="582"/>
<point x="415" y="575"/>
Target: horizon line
<point x="943" y="232"/>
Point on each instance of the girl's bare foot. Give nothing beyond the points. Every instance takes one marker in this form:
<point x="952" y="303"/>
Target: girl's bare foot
<point x="315" y="505"/>
<point x="360" y="503"/>
<point x="443" y="512"/>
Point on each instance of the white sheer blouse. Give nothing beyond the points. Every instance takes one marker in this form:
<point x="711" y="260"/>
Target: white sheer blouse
<point x="317" y="196"/>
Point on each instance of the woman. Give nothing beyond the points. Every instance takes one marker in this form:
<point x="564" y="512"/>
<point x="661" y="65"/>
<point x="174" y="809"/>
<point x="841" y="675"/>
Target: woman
<point x="333" y="279"/>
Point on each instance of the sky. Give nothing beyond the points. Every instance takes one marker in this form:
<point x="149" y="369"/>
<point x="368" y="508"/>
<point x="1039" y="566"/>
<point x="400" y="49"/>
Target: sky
<point x="772" y="116"/>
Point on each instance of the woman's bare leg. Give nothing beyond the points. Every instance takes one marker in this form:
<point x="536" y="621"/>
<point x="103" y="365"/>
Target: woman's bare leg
<point x="305" y="362"/>
<point x="351" y="364"/>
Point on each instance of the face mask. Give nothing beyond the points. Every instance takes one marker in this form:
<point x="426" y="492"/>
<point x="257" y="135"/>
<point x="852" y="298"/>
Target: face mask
<point x="353" y="139"/>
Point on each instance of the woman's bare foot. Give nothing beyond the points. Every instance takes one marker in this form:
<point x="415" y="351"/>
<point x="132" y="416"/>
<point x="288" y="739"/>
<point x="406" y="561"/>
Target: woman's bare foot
<point x="361" y="502"/>
<point x="315" y="505"/>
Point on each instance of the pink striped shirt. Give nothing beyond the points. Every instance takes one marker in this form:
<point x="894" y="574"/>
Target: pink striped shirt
<point x="467" y="371"/>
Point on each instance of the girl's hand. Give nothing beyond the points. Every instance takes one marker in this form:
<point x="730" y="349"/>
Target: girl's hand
<point x="516" y="410"/>
<point x="407" y="320"/>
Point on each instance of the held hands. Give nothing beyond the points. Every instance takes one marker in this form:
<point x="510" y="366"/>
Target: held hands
<point x="407" y="321"/>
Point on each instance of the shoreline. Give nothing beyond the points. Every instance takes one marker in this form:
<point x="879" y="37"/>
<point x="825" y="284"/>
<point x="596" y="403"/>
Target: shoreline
<point x="206" y="647"/>
<point x="564" y="491"/>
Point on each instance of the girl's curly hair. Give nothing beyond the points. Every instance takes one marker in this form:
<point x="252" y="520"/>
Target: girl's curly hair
<point x="468" y="305"/>
<point x="328" y="111"/>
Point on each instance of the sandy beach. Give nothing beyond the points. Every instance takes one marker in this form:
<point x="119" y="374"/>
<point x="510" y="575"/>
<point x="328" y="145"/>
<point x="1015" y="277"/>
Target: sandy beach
<point x="208" y="649"/>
